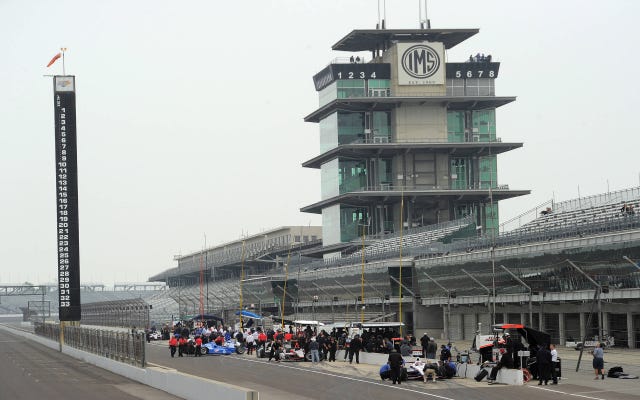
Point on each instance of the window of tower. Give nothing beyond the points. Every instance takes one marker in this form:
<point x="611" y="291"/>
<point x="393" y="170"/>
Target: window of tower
<point x="352" y="176"/>
<point x="379" y="88"/>
<point x="455" y="87"/>
<point x="351" y="88"/>
<point x="484" y="125"/>
<point x="351" y="221"/>
<point x="455" y="126"/>
<point x="480" y="87"/>
<point x="350" y="127"/>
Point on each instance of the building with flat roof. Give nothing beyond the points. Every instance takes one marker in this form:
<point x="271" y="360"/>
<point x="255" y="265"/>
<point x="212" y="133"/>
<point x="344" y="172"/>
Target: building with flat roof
<point x="406" y="138"/>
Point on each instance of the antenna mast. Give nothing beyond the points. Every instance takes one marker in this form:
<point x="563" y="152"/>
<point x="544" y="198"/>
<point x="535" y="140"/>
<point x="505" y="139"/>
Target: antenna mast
<point x="424" y="22"/>
<point x="381" y="24"/>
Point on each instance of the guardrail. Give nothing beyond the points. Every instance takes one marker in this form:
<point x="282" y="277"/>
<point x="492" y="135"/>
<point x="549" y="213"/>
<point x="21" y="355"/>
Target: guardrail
<point x="124" y="347"/>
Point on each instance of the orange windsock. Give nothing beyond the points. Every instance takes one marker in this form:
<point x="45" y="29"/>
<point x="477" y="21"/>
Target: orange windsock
<point x="54" y="59"/>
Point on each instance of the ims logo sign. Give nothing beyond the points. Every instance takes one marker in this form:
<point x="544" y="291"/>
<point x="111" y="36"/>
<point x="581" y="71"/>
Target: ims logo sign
<point x="420" y="61"/>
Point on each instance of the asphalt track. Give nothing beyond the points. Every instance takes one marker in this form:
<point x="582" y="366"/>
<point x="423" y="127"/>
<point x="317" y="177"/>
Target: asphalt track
<point x="340" y="380"/>
<point x="31" y="371"/>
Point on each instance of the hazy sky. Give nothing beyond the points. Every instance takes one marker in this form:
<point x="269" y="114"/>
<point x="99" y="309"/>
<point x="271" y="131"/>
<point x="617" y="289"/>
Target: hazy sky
<point x="190" y="115"/>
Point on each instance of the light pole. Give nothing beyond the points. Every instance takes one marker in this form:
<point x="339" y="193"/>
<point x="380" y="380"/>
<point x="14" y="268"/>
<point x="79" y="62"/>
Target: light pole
<point x="353" y="296"/>
<point x="527" y="287"/>
<point x="333" y="317"/>
<point x="313" y="306"/>
<point x="206" y="267"/>
<point x="598" y="295"/>
<point x="362" y="273"/>
<point x="448" y="313"/>
<point x="414" y="301"/>
<point x="381" y="296"/>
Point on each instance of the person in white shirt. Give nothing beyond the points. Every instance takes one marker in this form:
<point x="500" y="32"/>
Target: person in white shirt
<point x="251" y="342"/>
<point x="554" y="364"/>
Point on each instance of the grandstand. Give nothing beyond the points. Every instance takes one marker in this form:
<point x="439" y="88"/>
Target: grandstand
<point x="593" y="209"/>
<point x="556" y="297"/>
<point x="161" y="306"/>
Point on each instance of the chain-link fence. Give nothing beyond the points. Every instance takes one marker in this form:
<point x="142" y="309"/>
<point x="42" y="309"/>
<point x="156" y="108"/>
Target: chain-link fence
<point x="120" y="346"/>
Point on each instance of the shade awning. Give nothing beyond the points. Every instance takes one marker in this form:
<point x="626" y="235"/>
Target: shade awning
<point x="248" y="314"/>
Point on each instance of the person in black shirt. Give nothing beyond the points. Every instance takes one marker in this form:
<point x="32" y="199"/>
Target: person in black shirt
<point x="445" y="354"/>
<point x="395" y="363"/>
<point x="506" y="361"/>
<point x="424" y="342"/>
<point x="333" y="347"/>
<point x="354" y="349"/>
<point x="543" y="359"/>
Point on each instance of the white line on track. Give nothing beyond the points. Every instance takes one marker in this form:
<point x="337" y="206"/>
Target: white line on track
<point x="565" y="393"/>
<point x="351" y="379"/>
<point x="609" y="391"/>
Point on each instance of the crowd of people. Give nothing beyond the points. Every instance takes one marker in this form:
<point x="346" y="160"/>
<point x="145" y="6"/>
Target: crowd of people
<point x="322" y="345"/>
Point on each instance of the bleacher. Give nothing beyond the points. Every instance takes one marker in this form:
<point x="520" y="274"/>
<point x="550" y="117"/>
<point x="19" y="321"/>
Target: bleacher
<point x="594" y="209"/>
<point x="416" y="237"/>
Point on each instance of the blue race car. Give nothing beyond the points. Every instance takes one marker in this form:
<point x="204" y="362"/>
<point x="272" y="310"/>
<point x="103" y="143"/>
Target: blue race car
<point x="227" y="348"/>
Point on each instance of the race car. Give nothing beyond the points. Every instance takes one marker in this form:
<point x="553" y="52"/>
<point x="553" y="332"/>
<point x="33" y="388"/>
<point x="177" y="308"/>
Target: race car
<point x="409" y="372"/>
<point x="227" y="348"/>
<point x="294" y="354"/>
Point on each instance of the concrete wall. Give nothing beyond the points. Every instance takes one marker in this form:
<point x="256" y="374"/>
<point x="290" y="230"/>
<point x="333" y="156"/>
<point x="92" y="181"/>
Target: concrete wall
<point x="415" y="122"/>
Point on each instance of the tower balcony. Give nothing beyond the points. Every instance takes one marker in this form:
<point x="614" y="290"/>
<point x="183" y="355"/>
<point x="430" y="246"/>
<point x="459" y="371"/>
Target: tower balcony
<point x="362" y="104"/>
<point x="392" y="194"/>
<point x="383" y="147"/>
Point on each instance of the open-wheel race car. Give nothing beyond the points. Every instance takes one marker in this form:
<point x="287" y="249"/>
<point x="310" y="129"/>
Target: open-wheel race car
<point x="410" y="371"/>
<point x="227" y="348"/>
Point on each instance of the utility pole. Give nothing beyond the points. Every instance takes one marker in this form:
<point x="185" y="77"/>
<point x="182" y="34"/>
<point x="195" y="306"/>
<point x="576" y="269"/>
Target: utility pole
<point x="448" y="313"/>
<point x="526" y="286"/>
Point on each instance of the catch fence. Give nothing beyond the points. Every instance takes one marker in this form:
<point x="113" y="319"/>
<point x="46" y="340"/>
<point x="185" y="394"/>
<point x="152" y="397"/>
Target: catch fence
<point x="125" y="347"/>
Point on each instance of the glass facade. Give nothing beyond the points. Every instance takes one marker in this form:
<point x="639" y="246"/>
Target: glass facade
<point x="381" y="126"/>
<point x="350" y="127"/>
<point x="353" y="176"/>
<point x="471" y="126"/>
<point x="347" y="88"/>
<point x="488" y="172"/>
<point x="328" y="94"/>
<point x="331" y="225"/>
<point x="486" y="214"/>
<point x="460" y="173"/>
<point x="351" y="88"/>
<point x="352" y="220"/>
<point x="330" y="182"/>
<point x="471" y="87"/>
<point x="384" y="176"/>
<point x="329" y="133"/>
<point x="378" y="88"/>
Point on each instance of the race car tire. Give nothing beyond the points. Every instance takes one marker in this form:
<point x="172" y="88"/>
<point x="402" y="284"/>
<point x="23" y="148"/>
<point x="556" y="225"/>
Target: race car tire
<point x="307" y="356"/>
<point x="204" y="350"/>
<point x="240" y="349"/>
<point x="260" y="353"/>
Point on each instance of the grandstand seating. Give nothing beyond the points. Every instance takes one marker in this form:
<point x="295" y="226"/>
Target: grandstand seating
<point x="414" y="238"/>
<point x="579" y="212"/>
